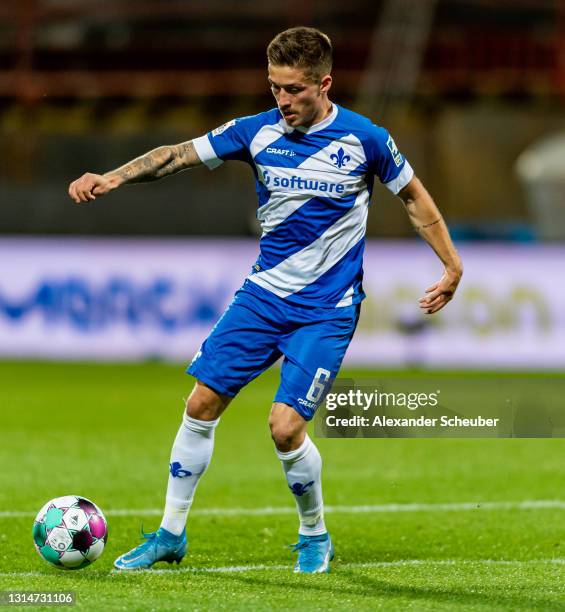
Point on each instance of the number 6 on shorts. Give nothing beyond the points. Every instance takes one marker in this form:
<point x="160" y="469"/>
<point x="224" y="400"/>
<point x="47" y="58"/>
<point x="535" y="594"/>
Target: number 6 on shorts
<point x="318" y="385"/>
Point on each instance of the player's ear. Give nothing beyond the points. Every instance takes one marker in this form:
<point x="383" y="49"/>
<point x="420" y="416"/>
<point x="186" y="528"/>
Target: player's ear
<point x="325" y="83"/>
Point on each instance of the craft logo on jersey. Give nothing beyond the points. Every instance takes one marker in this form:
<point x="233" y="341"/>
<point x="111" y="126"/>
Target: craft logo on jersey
<point x="275" y="151"/>
<point x="396" y="154"/>
<point x="340" y="159"/>
<point x="223" y="128"/>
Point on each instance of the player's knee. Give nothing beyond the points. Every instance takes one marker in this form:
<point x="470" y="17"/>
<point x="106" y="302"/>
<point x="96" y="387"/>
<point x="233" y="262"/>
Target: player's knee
<point x="287" y="433"/>
<point x="198" y="408"/>
<point x="282" y="437"/>
<point x="205" y="404"/>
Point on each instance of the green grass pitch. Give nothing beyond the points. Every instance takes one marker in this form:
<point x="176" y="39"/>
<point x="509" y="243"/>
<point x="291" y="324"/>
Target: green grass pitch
<point x="105" y="432"/>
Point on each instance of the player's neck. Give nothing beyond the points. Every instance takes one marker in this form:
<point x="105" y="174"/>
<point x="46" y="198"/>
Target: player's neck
<point x="324" y="112"/>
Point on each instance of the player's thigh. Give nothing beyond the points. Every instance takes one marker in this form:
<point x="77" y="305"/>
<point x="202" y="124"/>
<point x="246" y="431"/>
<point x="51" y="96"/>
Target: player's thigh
<point x="242" y="344"/>
<point x="312" y="357"/>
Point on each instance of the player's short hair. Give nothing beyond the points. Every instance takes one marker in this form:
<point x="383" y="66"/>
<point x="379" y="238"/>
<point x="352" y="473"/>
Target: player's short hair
<point x="304" y="48"/>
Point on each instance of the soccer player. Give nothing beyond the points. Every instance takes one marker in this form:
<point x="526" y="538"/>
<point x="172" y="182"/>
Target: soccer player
<point x="314" y="164"/>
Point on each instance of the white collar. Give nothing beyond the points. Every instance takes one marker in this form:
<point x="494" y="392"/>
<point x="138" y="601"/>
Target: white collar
<point x="317" y="126"/>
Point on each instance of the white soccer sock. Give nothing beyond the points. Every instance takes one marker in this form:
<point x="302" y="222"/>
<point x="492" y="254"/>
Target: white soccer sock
<point x="190" y="456"/>
<point x="303" y="470"/>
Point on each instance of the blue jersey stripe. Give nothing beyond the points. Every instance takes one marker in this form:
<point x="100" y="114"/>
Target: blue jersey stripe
<point x="331" y="282"/>
<point x="301" y="228"/>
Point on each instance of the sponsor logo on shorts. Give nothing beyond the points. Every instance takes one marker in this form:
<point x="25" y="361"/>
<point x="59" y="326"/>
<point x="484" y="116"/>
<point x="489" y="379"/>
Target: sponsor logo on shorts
<point x="306" y="403"/>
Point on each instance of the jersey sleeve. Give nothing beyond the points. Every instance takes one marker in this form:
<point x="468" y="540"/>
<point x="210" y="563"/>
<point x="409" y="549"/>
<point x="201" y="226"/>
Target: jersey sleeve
<point x="386" y="161"/>
<point x="229" y="141"/>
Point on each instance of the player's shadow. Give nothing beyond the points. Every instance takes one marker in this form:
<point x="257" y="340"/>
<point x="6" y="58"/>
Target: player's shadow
<point x="368" y="587"/>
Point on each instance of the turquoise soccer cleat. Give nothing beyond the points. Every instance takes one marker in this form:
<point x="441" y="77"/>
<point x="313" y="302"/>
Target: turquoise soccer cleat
<point x="314" y="554"/>
<point x="161" y="545"/>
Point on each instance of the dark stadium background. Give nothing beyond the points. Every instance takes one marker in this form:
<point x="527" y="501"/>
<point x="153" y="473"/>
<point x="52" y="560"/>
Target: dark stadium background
<point x="463" y="85"/>
<point x="473" y="92"/>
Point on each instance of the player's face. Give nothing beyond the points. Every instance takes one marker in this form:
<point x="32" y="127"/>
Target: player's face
<point x="301" y="101"/>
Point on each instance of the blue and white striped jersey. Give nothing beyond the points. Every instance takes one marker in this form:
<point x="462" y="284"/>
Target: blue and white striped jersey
<point x="314" y="186"/>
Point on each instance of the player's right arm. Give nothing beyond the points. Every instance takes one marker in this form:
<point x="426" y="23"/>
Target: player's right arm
<point x="151" y="166"/>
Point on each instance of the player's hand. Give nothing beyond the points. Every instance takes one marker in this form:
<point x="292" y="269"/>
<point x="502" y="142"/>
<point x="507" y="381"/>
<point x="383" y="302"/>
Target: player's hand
<point x="89" y="185"/>
<point x="440" y="293"/>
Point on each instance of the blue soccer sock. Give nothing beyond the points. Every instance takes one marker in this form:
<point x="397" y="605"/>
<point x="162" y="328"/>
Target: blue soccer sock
<point x="303" y="470"/>
<point x="190" y="456"/>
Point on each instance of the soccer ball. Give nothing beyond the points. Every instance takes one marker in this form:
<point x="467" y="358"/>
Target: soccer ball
<point x="70" y="532"/>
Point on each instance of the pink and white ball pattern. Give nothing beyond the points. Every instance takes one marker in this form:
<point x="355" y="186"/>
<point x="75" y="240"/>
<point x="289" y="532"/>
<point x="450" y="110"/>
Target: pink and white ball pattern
<point x="70" y="532"/>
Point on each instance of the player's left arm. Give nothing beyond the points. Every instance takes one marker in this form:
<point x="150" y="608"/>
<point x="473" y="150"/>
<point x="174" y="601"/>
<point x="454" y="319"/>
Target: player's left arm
<point x="429" y="223"/>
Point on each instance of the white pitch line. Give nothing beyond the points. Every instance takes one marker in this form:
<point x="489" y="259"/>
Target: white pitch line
<point x="236" y="569"/>
<point x="536" y="504"/>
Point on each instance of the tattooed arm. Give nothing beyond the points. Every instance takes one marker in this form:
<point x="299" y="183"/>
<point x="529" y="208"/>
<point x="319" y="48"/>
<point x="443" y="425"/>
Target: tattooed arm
<point x="155" y="164"/>
<point x="429" y="223"/>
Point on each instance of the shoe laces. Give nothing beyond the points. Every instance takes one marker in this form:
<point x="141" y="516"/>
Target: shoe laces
<point x="305" y="551"/>
<point x="149" y="537"/>
<point x="154" y="535"/>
